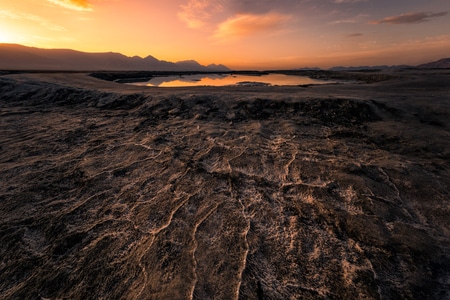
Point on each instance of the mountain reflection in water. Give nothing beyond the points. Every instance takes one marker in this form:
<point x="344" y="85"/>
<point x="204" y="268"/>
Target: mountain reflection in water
<point x="225" y="79"/>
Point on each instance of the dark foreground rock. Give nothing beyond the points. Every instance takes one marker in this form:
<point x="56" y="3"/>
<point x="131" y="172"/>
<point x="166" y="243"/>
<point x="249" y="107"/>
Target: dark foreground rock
<point x="258" y="193"/>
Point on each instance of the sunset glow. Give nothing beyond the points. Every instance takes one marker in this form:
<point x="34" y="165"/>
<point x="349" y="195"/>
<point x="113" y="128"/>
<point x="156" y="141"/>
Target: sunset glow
<point x="5" y="37"/>
<point x="238" y="33"/>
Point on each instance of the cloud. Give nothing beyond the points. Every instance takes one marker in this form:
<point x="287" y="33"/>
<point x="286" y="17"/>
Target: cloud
<point x="410" y="18"/>
<point x="233" y="19"/>
<point x="29" y="17"/>
<point x="203" y="13"/>
<point x="346" y="21"/>
<point x="353" y="35"/>
<point x="348" y="1"/>
<point x="248" y="24"/>
<point x="263" y="6"/>
<point x="196" y="13"/>
<point x="352" y="20"/>
<point x="80" y="5"/>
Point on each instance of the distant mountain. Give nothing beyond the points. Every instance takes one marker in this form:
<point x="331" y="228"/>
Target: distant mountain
<point x="218" y="68"/>
<point x="189" y="64"/>
<point x="439" y="64"/>
<point x="383" y="67"/>
<point x="18" y="57"/>
<point x="193" y="65"/>
<point x="309" y="69"/>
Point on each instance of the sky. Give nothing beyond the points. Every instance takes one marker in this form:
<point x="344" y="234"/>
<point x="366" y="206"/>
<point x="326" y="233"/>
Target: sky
<point x="241" y="34"/>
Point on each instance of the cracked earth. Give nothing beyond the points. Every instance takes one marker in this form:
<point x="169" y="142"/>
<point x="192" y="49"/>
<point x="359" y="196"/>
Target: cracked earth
<point x="330" y="192"/>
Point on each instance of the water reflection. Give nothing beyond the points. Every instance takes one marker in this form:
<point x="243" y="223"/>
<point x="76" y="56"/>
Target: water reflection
<point x="227" y="79"/>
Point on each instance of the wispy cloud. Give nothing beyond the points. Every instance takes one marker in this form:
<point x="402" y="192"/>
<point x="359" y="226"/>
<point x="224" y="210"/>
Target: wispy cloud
<point x="80" y="5"/>
<point x="351" y="20"/>
<point x="30" y="17"/>
<point x="196" y="13"/>
<point x="410" y="18"/>
<point x="209" y="13"/>
<point x="346" y="21"/>
<point x="248" y="24"/>
<point x="348" y="1"/>
<point x="354" y="35"/>
<point x="199" y="13"/>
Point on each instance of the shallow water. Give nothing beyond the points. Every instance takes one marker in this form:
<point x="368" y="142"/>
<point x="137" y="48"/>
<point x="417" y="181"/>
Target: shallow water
<point x="225" y="79"/>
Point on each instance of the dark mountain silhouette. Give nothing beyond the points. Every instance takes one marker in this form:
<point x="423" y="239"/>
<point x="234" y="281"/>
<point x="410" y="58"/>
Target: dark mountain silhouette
<point x="189" y="64"/>
<point x="18" y="57"/>
<point x="193" y="65"/>
<point x="358" y="68"/>
<point x="219" y="67"/>
<point x="439" y="64"/>
<point x="443" y="63"/>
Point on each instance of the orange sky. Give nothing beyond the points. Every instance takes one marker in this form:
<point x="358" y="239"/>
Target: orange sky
<point x="241" y="34"/>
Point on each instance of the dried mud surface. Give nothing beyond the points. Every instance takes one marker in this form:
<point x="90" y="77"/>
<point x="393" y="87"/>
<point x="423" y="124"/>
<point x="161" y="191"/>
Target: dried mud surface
<point x="327" y="192"/>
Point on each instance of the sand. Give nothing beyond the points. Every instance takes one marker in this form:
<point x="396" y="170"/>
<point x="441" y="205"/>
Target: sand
<point x="111" y="191"/>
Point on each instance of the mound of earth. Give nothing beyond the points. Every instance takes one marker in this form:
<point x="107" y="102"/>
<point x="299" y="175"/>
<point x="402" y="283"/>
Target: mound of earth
<point x="327" y="192"/>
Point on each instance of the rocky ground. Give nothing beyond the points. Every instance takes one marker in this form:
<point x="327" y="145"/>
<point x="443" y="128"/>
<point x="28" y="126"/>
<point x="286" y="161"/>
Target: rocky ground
<point x="111" y="191"/>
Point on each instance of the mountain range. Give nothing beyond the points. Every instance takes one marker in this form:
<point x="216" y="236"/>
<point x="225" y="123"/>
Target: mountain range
<point x="439" y="64"/>
<point x="358" y="68"/>
<point x="443" y="63"/>
<point x="18" y="57"/>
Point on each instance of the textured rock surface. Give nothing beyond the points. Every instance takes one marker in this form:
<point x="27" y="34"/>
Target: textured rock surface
<point x="331" y="192"/>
